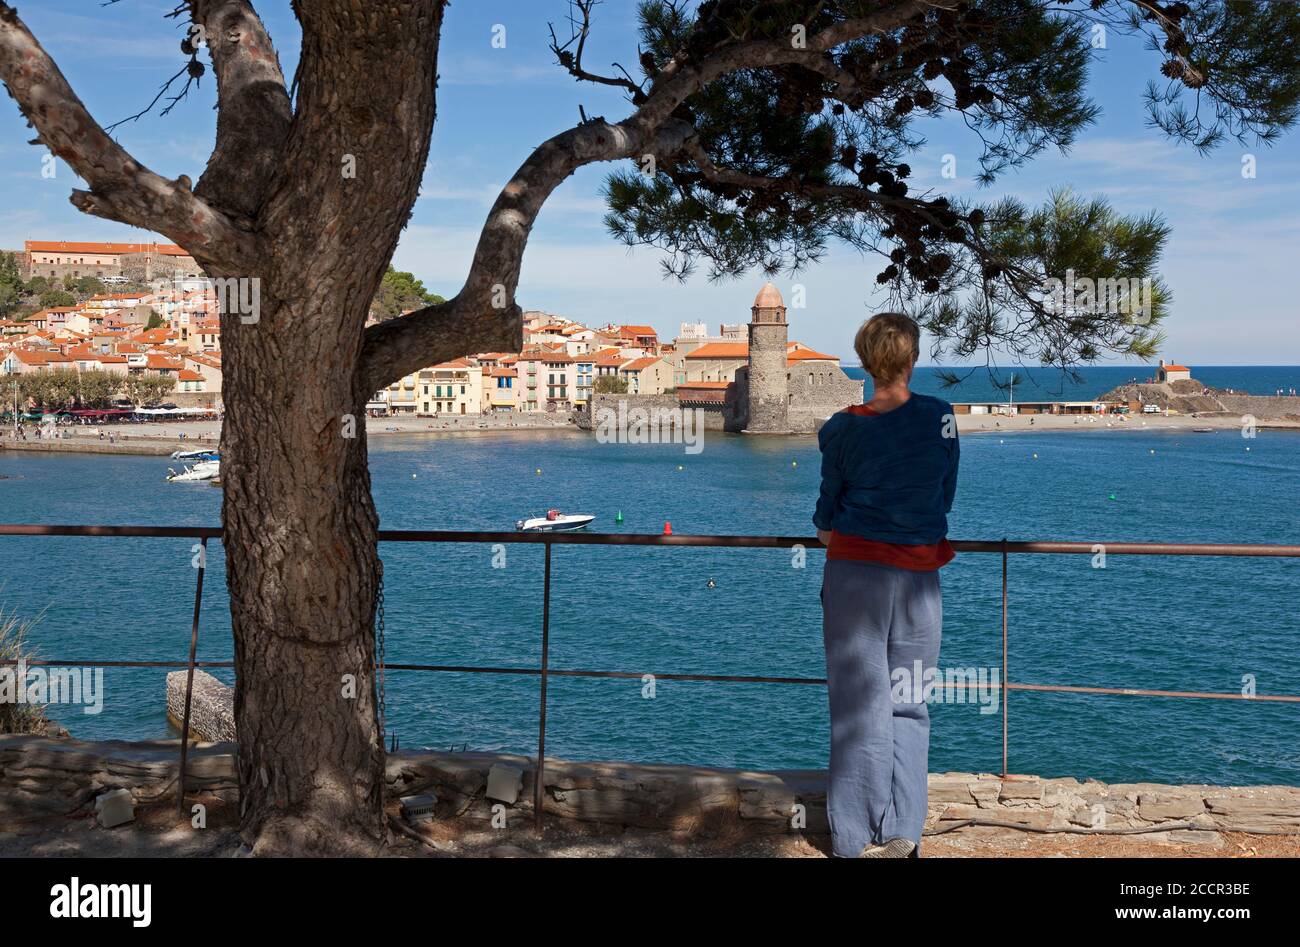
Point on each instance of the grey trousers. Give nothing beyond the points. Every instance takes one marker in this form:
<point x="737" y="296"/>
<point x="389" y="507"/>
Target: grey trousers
<point x="881" y="626"/>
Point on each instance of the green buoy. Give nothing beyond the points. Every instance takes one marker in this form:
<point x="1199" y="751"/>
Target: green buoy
<point x="619" y="517"/>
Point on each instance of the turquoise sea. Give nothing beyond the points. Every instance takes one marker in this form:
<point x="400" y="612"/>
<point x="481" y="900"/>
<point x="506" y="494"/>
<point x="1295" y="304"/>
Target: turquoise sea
<point x="1198" y="624"/>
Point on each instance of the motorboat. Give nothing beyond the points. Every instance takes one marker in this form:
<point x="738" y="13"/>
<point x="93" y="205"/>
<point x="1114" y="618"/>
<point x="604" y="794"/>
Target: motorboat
<point x="555" y="522"/>
<point x="186" y="456"/>
<point x="203" y="470"/>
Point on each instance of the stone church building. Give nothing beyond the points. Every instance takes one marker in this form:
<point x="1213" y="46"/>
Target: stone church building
<point x="785" y="387"/>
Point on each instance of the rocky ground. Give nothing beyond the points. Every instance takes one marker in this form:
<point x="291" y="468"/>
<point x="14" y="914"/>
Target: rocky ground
<point x="48" y="788"/>
<point x="158" y="832"/>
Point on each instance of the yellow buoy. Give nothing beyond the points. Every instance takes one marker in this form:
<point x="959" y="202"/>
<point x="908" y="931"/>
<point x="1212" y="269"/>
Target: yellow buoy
<point x="539" y="471"/>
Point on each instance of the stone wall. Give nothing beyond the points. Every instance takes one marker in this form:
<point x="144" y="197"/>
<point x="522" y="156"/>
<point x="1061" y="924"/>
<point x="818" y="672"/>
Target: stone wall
<point x="1262" y="407"/>
<point x="715" y="417"/>
<point x="40" y="777"/>
<point x="84" y="444"/>
<point x="146" y="267"/>
<point x="502" y="421"/>
<point x="818" y="391"/>
<point x="56" y="778"/>
<point x="1185" y="397"/>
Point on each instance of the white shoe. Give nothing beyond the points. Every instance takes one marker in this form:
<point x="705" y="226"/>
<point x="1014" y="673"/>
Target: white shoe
<point x="894" y="848"/>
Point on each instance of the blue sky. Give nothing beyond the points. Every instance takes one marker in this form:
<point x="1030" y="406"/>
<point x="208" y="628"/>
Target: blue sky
<point x="1230" y="260"/>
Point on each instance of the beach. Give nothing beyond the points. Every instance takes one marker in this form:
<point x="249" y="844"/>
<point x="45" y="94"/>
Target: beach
<point x="992" y="424"/>
<point x="162" y="439"/>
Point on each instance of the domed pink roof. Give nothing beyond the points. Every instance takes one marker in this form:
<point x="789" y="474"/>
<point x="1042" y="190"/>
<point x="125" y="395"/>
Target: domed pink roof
<point x="769" y="297"/>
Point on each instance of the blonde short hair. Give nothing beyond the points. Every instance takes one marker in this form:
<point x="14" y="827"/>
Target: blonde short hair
<point x="888" y="343"/>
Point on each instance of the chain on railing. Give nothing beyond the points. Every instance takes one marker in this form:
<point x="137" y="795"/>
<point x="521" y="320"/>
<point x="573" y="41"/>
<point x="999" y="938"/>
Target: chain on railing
<point x="381" y="659"/>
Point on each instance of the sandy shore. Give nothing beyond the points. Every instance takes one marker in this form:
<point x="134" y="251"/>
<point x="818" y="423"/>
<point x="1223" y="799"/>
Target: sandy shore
<point x="161" y="439"/>
<point x="164" y="438"/>
<point x="992" y="424"/>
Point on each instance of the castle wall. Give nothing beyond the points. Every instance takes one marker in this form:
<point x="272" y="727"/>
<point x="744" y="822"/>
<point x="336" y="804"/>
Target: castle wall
<point x="817" y="391"/>
<point x="716" y="417"/>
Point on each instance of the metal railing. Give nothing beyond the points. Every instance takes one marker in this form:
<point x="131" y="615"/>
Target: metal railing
<point x="1004" y="548"/>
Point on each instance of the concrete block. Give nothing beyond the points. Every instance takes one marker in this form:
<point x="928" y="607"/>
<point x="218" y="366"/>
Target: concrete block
<point x="115" y="807"/>
<point x="504" y="783"/>
<point x="418" y="808"/>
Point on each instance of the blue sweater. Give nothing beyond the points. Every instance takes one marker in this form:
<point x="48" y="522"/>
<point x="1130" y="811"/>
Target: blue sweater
<point x="890" y="477"/>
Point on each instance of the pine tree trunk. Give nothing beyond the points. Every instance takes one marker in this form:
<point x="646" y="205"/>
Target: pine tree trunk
<point x="302" y="562"/>
<point x="303" y="572"/>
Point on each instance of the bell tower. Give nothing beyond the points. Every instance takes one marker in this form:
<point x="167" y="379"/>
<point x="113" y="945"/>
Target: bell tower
<point x="768" y="388"/>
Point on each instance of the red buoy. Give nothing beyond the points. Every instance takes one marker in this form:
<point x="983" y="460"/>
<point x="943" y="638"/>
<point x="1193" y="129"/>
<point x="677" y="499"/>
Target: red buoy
<point x="668" y="528"/>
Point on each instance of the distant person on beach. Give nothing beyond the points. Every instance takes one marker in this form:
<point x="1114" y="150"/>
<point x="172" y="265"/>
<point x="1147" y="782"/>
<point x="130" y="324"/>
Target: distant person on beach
<point x="889" y="474"/>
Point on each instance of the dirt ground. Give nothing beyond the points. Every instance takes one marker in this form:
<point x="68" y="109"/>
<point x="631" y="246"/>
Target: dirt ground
<point x="159" y="832"/>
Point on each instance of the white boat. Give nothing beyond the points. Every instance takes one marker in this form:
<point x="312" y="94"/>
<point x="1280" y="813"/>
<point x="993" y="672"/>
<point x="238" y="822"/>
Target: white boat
<point x="555" y="522"/>
<point x="204" y="470"/>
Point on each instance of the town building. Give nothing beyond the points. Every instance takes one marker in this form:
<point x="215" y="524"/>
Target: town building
<point x="647" y="376"/>
<point x="454" y="387"/>
<point x="140" y="262"/>
<point x="1166" y="373"/>
<point x="499" y="391"/>
<point x="786" y="387"/>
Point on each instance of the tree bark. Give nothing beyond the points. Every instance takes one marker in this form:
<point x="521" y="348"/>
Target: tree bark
<point x="303" y="571"/>
<point x="300" y="525"/>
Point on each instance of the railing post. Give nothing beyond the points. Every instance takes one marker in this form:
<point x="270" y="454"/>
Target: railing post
<point x="1005" y="679"/>
<point x="189" y="678"/>
<point x="539" y="781"/>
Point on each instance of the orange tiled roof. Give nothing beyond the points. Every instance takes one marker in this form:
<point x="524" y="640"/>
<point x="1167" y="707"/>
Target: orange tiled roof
<point x="637" y="364"/>
<point x="801" y="353"/>
<point x="105" y="297"/>
<point x="59" y="246"/>
<point x="721" y="350"/>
